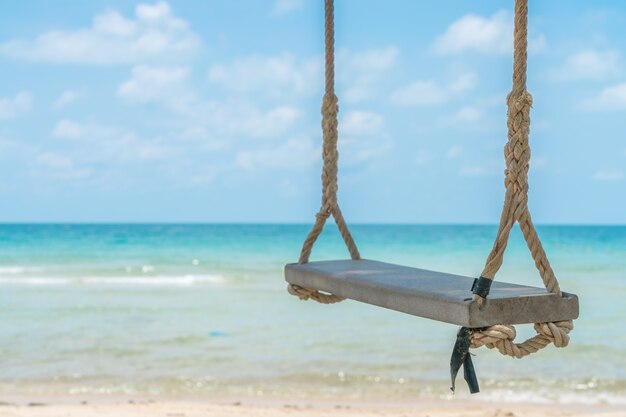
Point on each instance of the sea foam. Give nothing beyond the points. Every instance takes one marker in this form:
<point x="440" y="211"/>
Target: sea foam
<point x="182" y="280"/>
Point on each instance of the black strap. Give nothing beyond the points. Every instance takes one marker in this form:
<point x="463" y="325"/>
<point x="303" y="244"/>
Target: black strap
<point x="481" y="286"/>
<point x="462" y="357"/>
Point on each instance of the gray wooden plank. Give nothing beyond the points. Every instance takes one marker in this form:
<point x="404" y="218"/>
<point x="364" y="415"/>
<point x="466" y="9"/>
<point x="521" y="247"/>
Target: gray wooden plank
<point x="433" y="295"/>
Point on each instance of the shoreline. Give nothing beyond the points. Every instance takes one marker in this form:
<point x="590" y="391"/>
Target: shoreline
<point x="253" y="407"/>
<point x="104" y="407"/>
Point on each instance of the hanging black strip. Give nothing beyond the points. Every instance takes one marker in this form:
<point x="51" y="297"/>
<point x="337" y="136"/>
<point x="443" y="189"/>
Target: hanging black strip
<point x="462" y="357"/>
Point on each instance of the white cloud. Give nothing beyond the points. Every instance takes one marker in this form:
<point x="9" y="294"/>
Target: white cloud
<point x="466" y="115"/>
<point x="59" y="166"/>
<point x="151" y="150"/>
<point x="272" y="122"/>
<point x="473" y="171"/>
<point x="113" y="23"/>
<point x="66" y="98"/>
<point x="360" y="73"/>
<point x="203" y="137"/>
<point x="67" y="129"/>
<point x="295" y="153"/>
<point x="112" y="143"/>
<point x="282" y="7"/>
<point x="465" y="82"/>
<point x="55" y="160"/>
<point x="302" y="152"/>
<point x="274" y="74"/>
<point x="246" y="119"/>
<point x="609" y="175"/>
<point x="430" y="93"/>
<point x="610" y="98"/>
<point x="168" y="86"/>
<point x="154" y="34"/>
<point x="363" y="137"/>
<point x="11" y="107"/>
<point x="478" y="34"/>
<point x="589" y="65"/>
<point x="360" y="123"/>
<point x="90" y="132"/>
<point x="419" y="93"/>
<point x="486" y="35"/>
<point x="369" y="151"/>
<point x="360" y="149"/>
<point x="149" y="83"/>
<point x="453" y="152"/>
<point x="371" y="59"/>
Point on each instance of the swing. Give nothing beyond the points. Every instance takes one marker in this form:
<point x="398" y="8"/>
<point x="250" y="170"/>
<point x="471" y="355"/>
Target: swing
<point x="485" y="309"/>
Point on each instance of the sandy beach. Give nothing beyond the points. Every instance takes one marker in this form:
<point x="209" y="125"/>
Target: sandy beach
<point x="278" y="409"/>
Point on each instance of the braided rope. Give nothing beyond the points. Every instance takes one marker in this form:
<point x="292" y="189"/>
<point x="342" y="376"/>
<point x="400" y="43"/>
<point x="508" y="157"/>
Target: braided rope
<point x="330" y="108"/>
<point x="517" y="156"/>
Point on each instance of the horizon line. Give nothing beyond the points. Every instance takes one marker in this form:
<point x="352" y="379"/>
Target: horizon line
<point x="267" y="223"/>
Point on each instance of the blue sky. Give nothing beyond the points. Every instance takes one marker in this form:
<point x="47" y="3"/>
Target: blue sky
<point x="209" y="110"/>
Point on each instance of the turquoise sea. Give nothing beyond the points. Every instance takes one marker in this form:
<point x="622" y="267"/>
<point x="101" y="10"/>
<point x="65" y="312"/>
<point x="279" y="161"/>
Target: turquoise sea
<point x="202" y="310"/>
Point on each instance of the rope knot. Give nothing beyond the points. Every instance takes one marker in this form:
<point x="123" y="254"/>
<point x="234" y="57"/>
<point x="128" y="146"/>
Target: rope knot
<point x="300" y="292"/>
<point x="499" y="337"/>
<point x="502" y="337"/>
<point x="324" y="213"/>
<point x="557" y="332"/>
<point x="492" y="335"/>
<point x="330" y="105"/>
<point x="522" y="102"/>
<point x="519" y="111"/>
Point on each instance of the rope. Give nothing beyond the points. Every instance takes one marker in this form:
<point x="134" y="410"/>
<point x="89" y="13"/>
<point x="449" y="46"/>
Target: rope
<point x="501" y="337"/>
<point x="330" y="155"/>
<point x="517" y="157"/>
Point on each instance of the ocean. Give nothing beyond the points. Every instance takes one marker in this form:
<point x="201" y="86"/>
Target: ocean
<point x="202" y="310"/>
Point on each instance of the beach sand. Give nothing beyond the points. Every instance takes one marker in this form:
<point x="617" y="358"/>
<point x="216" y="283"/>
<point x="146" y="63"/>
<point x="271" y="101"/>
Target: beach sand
<point x="279" y="409"/>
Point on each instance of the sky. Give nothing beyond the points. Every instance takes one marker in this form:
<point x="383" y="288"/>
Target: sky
<point x="209" y="111"/>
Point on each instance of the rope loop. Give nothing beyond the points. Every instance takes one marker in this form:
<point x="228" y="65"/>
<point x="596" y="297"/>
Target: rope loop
<point x="501" y="337"/>
<point x="308" y="294"/>
<point x="517" y="157"/>
<point x="330" y="155"/>
<point x="515" y="210"/>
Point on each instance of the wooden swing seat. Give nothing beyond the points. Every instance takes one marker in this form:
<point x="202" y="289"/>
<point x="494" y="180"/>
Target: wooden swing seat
<point x="433" y="295"/>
